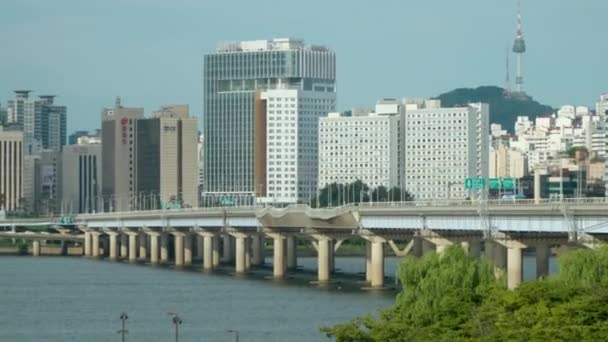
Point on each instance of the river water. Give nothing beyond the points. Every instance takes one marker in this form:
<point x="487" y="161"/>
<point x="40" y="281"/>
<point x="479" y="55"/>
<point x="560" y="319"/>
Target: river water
<point x="60" y="299"/>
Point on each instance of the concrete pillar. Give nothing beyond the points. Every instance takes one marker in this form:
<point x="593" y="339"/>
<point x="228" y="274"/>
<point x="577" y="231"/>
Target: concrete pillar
<point x="164" y="248"/>
<point x="208" y="252"/>
<point x="143" y="244"/>
<point x="188" y="249"/>
<point x="377" y="272"/>
<point x="199" y="247"/>
<point x="256" y="251"/>
<point x="227" y="251"/>
<point x="133" y="247"/>
<point x="278" y="261"/>
<point x="154" y="248"/>
<point x="64" y="248"/>
<point x="95" y="244"/>
<point x="323" y="262"/>
<point x="514" y="267"/>
<point x="542" y="260"/>
<point x="36" y="248"/>
<point x="427" y="247"/>
<point x="87" y="244"/>
<point x="179" y="249"/>
<point x="113" y="245"/>
<point x="500" y="256"/>
<point x="368" y="261"/>
<point x="241" y="242"/>
<point x="332" y="257"/>
<point x="247" y="254"/>
<point x="124" y="246"/>
<point x="216" y="251"/>
<point x="489" y="250"/>
<point x="292" y="253"/>
<point x="475" y="248"/>
<point x="416" y="249"/>
<point x="537" y="187"/>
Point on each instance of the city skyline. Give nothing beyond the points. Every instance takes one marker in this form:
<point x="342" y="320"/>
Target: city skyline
<point x="148" y="72"/>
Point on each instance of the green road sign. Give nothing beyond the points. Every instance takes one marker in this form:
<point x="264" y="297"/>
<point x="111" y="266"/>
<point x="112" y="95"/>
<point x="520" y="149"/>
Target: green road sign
<point x="494" y="183"/>
<point x="227" y="201"/>
<point x="508" y="183"/>
<point x="474" y="183"/>
<point x="66" y="220"/>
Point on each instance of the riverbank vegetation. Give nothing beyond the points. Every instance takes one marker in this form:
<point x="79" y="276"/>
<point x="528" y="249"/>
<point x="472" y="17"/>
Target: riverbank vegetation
<point x="457" y="297"/>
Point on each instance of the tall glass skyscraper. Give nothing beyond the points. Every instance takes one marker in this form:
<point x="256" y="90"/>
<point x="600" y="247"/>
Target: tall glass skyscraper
<point x="262" y="102"/>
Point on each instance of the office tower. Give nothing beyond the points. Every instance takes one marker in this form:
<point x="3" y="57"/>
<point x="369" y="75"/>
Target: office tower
<point x="262" y="101"/>
<point x="119" y="162"/>
<point x="11" y="169"/>
<point x="51" y="125"/>
<point x="3" y="115"/>
<point x="201" y="160"/>
<point x="360" y="146"/>
<point x="442" y="147"/>
<point x="43" y="122"/>
<point x="47" y="182"/>
<point x="81" y="183"/>
<point x="167" y="160"/>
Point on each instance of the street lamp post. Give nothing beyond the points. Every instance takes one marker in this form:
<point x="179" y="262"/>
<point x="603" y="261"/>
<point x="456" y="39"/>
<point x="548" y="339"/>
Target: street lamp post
<point x="236" y="334"/>
<point x="176" y="322"/>
<point x="123" y="331"/>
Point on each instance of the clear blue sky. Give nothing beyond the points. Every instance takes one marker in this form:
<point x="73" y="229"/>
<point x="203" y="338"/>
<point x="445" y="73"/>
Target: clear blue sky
<point x="150" y="51"/>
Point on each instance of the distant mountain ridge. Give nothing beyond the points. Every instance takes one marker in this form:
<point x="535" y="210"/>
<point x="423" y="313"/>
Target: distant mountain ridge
<point x="504" y="110"/>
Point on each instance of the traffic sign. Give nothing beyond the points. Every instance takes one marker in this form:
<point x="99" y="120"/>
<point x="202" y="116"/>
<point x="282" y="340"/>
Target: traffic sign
<point x="495" y="183"/>
<point x="474" y="183"/>
<point x="508" y="183"/>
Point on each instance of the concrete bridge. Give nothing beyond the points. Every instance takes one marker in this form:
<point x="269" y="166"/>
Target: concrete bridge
<point x="503" y="228"/>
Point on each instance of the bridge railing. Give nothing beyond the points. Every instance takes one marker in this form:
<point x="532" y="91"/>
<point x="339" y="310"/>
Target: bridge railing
<point x="492" y="202"/>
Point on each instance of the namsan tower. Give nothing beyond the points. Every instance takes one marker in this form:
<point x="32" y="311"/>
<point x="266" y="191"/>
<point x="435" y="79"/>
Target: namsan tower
<point x="519" y="48"/>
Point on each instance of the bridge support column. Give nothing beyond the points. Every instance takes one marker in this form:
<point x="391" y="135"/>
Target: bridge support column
<point x="143" y="246"/>
<point x="241" y="246"/>
<point x="95" y="244"/>
<point x="292" y="253"/>
<point x="216" y="251"/>
<point x="475" y="248"/>
<point x="133" y="247"/>
<point x="208" y="251"/>
<point x="427" y="247"/>
<point x="278" y="260"/>
<point x="248" y="254"/>
<point x="257" y="253"/>
<point x="199" y="247"/>
<point x="113" y="245"/>
<point x="179" y="249"/>
<point x="164" y="248"/>
<point x="542" y="260"/>
<point x="153" y="248"/>
<point x="416" y="248"/>
<point x="377" y="272"/>
<point x="332" y="256"/>
<point x="36" y="248"/>
<point x="500" y="258"/>
<point x="124" y="246"/>
<point x="323" y="263"/>
<point x="368" y="261"/>
<point x="187" y="249"/>
<point x="514" y="267"/>
<point x="87" y="244"/>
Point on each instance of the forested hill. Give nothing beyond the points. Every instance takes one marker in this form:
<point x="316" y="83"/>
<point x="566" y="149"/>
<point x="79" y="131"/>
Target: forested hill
<point x="503" y="110"/>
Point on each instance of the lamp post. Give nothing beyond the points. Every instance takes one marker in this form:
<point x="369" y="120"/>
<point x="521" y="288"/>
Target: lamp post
<point x="236" y="334"/>
<point x="176" y="322"/>
<point x="123" y="331"/>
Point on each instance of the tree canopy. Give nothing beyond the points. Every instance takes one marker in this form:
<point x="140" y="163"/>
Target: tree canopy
<point x="336" y="194"/>
<point x="454" y="296"/>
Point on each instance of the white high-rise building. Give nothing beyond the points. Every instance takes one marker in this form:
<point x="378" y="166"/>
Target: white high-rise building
<point x="360" y="147"/>
<point x="442" y="147"/>
<point x="11" y="169"/>
<point x="253" y="90"/>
